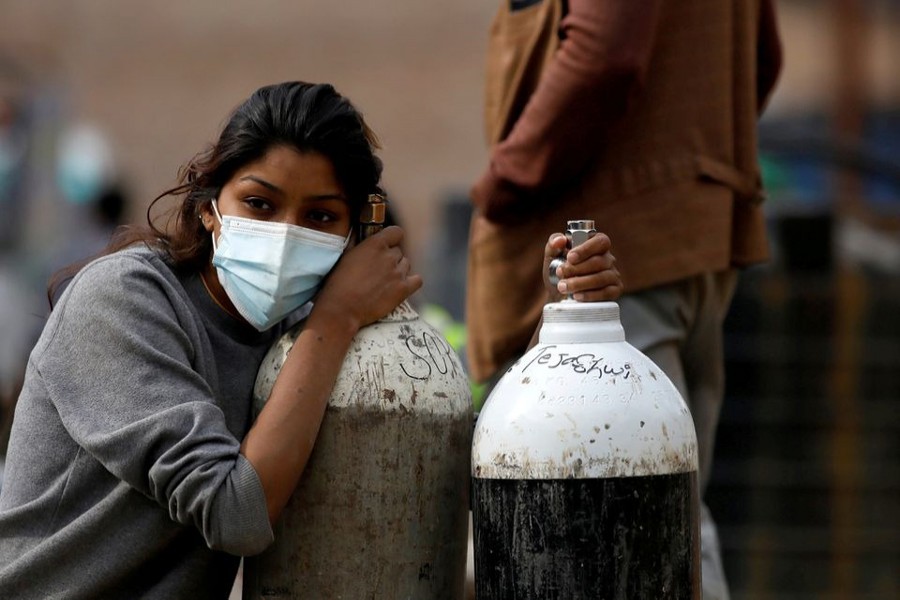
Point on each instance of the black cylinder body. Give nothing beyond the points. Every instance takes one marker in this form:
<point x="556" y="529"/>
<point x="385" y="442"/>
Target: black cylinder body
<point x="624" y="537"/>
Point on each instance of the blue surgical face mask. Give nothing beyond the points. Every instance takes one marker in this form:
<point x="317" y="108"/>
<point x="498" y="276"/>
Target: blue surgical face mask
<point x="269" y="269"/>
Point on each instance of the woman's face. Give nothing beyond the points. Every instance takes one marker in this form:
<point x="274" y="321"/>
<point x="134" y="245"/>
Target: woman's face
<point x="285" y="186"/>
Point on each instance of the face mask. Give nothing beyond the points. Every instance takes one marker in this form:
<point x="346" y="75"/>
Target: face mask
<point x="268" y="269"/>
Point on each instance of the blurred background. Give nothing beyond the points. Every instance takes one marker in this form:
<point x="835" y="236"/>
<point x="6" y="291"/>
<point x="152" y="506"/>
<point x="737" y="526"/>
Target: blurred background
<point x="101" y="101"/>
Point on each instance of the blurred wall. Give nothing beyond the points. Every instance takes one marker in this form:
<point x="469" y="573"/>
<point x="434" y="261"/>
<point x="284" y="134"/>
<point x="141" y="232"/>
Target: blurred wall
<point x="159" y="77"/>
<point x="814" y="34"/>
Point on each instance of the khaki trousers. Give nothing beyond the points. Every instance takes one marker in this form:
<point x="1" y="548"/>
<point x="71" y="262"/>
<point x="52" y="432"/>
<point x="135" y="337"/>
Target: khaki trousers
<point x="679" y="327"/>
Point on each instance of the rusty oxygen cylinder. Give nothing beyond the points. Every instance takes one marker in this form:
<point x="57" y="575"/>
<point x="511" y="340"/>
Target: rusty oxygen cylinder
<point x="381" y="510"/>
<point x="584" y="466"/>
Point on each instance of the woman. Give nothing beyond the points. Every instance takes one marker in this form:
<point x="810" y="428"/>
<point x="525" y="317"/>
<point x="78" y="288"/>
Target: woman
<point x="134" y="469"/>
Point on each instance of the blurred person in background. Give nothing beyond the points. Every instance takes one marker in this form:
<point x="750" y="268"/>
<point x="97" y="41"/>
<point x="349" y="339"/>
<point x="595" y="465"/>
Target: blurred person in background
<point x="89" y="229"/>
<point x="134" y="469"/>
<point x="13" y="162"/>
<point x="16" y="339"/>
<point x="93" y="197"/>
<point x="17" y="306"/>
<point x="92" y="201"/>
<point x="642" y="116"/>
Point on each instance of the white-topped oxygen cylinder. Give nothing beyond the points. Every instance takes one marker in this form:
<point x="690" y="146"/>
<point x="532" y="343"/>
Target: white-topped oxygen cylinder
<point x="381" y="510"/>
<point x="585" y="469"/>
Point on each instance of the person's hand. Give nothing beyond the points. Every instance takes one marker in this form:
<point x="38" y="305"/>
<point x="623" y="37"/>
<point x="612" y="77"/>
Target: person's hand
<point x="589" y="273"/>
<point x="370" y="280"/>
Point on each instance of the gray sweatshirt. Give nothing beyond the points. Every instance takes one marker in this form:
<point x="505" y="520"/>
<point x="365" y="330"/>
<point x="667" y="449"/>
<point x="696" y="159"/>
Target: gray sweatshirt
<point x="124" y="477"/>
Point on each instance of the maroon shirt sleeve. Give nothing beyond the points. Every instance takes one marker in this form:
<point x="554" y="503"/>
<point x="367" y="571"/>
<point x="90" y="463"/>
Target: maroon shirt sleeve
<point x="769" y="54"/>
<point x="601" y="60"/>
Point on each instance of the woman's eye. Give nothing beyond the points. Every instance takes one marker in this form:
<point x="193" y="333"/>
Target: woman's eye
<point x="257" y="203"/>
<point x="321" y="216"/>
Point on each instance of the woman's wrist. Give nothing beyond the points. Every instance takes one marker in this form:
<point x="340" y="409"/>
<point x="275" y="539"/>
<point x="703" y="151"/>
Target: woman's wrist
<point x="339" y="323"/>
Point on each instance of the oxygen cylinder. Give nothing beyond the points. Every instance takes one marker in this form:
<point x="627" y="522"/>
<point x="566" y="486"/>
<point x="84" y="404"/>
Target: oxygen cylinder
<point x="585" y="469"/>
<point x="381" y="510"/>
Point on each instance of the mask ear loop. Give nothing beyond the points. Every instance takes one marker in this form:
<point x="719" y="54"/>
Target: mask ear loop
<point x="215" y="208"/>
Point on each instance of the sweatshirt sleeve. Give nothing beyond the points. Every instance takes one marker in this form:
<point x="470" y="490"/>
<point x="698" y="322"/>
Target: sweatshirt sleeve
<point x="119" y="368"/>
<point x="603" y="56"/>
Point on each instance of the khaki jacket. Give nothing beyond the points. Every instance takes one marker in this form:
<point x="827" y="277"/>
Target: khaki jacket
<point x="664" y="161"/>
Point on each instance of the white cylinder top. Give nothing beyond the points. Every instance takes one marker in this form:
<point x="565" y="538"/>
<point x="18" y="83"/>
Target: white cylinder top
<point x="571" y="322"/>
<point x="583" y="403"/>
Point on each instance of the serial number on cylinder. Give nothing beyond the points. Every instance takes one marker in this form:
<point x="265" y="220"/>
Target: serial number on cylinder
<point x="582" y="364"/>
<point x="581" y="399"/>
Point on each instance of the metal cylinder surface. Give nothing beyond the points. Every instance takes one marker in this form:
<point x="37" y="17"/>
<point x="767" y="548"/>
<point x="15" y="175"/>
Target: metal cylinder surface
<point x="382" y="508"/>
<point x="584" y="467"/>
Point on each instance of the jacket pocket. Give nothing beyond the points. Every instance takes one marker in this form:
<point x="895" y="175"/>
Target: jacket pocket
<point x="746" y="187"/>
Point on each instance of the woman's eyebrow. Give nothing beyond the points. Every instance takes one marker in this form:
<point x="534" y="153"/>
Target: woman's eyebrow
<point x="336" y="196"/>
<point x="262" y="182"/>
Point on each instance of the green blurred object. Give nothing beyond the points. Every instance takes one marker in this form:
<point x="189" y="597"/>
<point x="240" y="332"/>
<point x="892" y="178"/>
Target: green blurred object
<point x="775" y="175"/>
<point x="478" y="398"/>
<point x="455" y="333"/>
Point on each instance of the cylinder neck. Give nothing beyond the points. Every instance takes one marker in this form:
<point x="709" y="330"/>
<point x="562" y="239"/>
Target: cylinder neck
<point x="571" y="322"/>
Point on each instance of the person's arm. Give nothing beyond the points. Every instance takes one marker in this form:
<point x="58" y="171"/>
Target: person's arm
<point x="123" y="362"/>
<point x="369" y="281"/>
<point x="601" y="61"/>
<point x="769" y="54"/>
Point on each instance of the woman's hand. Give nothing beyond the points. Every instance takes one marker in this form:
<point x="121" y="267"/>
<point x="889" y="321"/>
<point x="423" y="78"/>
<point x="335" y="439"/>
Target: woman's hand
<point x="371" y="279"/>
<point x="589" y="273"/>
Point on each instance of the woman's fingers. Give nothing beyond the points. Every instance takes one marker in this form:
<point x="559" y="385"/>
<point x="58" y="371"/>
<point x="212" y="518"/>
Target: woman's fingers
<point x="597" y="244"/>
<point x="556" y="245"/>
<point x="603" y="285"/>
<point x="372" y="278"/>
<point x="391" y="235"/>
<point x="589" y="272"/>
<point x="592" y="264"/>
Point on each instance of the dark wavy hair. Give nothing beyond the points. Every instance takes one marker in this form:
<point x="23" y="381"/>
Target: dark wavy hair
<point x="308" y="117"/>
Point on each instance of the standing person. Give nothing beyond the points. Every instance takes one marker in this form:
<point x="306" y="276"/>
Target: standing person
<point x="642" y="116"/>
<point x="134" y="467"/>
